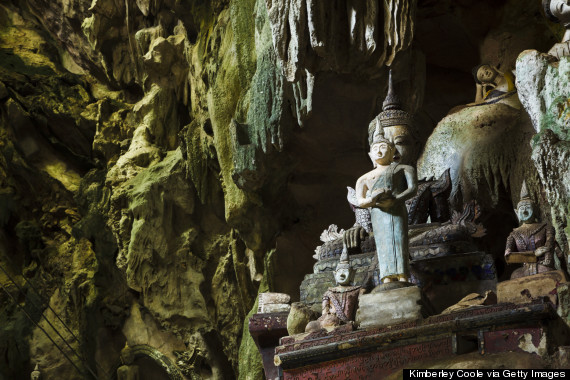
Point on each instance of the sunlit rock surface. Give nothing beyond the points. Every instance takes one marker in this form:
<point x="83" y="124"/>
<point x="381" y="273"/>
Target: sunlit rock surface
<point x="162" y="162"/>
<point x="544" y="84"/>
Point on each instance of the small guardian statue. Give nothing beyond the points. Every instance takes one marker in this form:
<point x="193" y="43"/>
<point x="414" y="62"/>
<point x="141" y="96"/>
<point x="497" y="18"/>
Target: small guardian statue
<point x="532" y="243"/>
<point x="339" y="302"/>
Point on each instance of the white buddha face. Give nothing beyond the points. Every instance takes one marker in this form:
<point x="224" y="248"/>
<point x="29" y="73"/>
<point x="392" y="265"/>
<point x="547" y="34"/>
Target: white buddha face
<point x="342" y="276"/>
<point x="403" y="142"/>
<point x="525" y="212"/>
<point x="381" y="153"/>
<point x="561" y="10"/>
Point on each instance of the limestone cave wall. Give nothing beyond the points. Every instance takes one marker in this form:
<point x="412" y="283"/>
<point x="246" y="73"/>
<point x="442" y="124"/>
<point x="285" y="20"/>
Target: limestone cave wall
<point x="163" y="161"/>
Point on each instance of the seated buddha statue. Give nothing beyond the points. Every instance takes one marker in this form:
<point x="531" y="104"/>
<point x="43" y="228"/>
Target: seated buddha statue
<point x="339" y="302"/>
<point x="532" y="238"/>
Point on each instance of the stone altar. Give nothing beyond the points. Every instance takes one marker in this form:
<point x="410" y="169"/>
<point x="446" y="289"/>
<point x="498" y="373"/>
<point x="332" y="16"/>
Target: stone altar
<point x="378" y="352"/>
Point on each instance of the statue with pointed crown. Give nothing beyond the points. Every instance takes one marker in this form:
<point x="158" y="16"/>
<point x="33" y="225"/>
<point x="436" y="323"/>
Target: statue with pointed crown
<point x="394" y="125"/>
<point x="339" y="302"/>
<point x="532" y="243"/>
<point x="384" y="190"/>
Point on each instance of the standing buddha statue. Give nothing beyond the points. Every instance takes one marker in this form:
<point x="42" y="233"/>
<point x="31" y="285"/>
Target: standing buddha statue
<point x="385" y="190"/>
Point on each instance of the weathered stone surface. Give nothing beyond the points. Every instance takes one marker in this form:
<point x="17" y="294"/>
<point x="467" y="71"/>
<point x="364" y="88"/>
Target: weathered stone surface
<point x="271" y="298"/>
<point x="141" y="329"/>
<point x="544" y="85"/>
<point x="299" y="316"/>
<point x="563" y="294"/>
<point x="274" y="308"/>
<point x="100" y="97"/>
<point x="302" y="29"/>
<point x="389" y="307"/>
<point x="562" y="357"/>
<point x="525" y="289"/>
<point x="470" y="141"/>
<point x="3" y="91"/>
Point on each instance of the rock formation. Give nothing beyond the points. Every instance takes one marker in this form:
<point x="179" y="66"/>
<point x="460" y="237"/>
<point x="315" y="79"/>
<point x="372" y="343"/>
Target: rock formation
<point x="160" y="159"/>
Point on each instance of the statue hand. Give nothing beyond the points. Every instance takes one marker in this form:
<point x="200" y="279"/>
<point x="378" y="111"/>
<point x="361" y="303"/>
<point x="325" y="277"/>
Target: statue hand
<point x="547" y="262"/>
<point x="560" y="49"/>
<point x="386" y="200"/>
<point x="540" y="251"/>
<point x="353" y="236"/>
<point x="381" y="194"/>
<point x="374" y="194"/>
<point x="326" y="307"/>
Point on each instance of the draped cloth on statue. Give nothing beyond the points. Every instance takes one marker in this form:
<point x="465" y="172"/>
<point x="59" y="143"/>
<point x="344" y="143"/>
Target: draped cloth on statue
<point x="343" y="301"/>
<point x="529" y="237"/>
<point x="390" y="226"/>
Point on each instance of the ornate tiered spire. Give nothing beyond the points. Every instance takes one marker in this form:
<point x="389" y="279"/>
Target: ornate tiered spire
<point x="392" y="112"/>
<point x="392" y="102"/>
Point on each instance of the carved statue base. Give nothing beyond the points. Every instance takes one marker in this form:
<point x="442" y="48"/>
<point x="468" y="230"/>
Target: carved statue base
<point x="446" y="279"/>
<point x="391" y="286"/>
<point x="438" y="239"/>
<point x="391" y="307"/>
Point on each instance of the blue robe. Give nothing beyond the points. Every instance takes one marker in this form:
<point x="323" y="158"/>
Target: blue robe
<point x="390" y="226"/>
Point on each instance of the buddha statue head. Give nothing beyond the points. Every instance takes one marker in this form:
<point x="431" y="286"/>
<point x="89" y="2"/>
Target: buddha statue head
<point x="485" y="74"/>
<point x="557" y="11"/>
<point x="382" y="151"/>
<point x="525" y="207"/>
<point x="395" y="124"/>
<point x="344" y="273"/>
